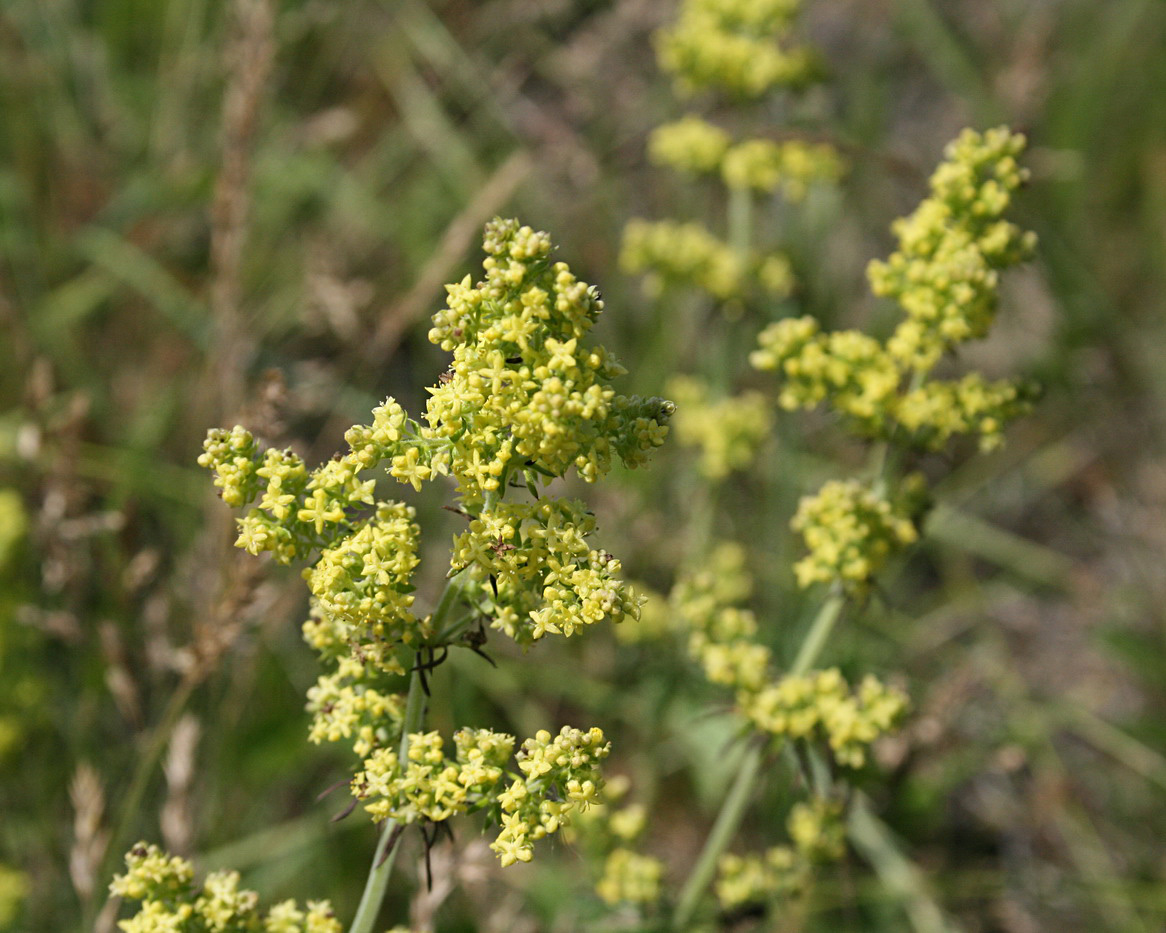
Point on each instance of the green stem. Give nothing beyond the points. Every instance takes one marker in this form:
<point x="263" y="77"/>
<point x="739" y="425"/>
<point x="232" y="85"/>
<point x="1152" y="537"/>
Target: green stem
<point x="703" y="515"/>
<point x="447" y="635"/>
<point x="733" y="809"/>
<point x="820" y="630"/>
<point x="741" y="223"/>
<point x="449" y="596"/>
<point x="879" y="847"/>
<point x="973" y="535"/>
<point x="719" y="837"/>
<point x="382" y="863"/>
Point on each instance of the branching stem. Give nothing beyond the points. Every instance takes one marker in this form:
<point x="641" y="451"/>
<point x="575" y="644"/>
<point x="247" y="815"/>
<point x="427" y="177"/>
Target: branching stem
<point x="386" y="851"/>
<point x="733" y="809"/>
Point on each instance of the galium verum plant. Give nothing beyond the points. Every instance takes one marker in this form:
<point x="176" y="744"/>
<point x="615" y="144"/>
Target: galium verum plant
<point x="742" y="61"/>
<point x="747" y="56"/>
<point x="945" y="279"/>
<point x="742" y="51"/>
<point x="526" y="399"/>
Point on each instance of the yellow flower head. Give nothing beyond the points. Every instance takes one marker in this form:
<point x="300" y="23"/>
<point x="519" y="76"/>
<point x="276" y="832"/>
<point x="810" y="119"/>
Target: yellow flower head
<point x="740" y="47"/>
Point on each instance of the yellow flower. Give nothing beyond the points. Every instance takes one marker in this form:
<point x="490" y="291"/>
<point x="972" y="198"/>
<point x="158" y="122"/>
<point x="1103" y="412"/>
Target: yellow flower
<point x="820" y="705"/>
<point x="630" y="878"/>
<point x="408" y="468"/>
<point x="850" y="533"/>
<point x="690" y="144"/>
<point x="945" y="274"/>
<point x="734" y="46"/>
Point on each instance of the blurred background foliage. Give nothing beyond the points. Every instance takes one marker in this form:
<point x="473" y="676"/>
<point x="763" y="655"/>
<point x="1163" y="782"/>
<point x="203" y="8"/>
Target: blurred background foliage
<point x="244" y="211"/>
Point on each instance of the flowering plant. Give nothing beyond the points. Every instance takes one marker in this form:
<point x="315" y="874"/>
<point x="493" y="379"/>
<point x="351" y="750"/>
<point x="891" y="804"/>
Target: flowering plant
<point x="525" y="400"/>
<point x="945" y="278"/>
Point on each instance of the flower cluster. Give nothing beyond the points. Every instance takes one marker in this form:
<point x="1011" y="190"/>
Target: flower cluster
<point x="695" y="146"/>
<point x="860" y="379"/>
<point x="367" y="549"/>
<point x="757" y="879"/>
<point x="738" y="46"/>
<point x="628" y="822"/>
<point x="560" y="776"/>
<point x="557" y="776"/>
<point x="362" y="584"/>
<point x="234" y="456"/>
<point x="817" y="830"/>
<point x="721" y="634"/>
<point x="725" y="647"/>
<point x="428" y="786"/>
<point x="727" y="431"/>
<point x="945" y="274"/>
<point x="818" y="705"/>
<point x="821" y="706"/>
<point x="523" y="397"/>
<point x="848" y="369"/>
<point x="790" y="167"/>
<point x="851" y="531"/>
<point x="945" y="277"/>
<point x="545" y="577"/>
<point x="172" y="903"/>
<point x="298" y="511"/>
<point x="526" y="399"/>
<point x="630" y="878"/>
<point x="671" y="252"/>
<point x="525" y="393"/>
<point x="153" y="875"/>
<point x="689" y="144"/>
<point x="347" y="705"/>
<point x="742" y="48"/>
<point x="939" y="410"/>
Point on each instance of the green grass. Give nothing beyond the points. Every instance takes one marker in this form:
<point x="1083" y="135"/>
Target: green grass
<point x="1029" y="629"/>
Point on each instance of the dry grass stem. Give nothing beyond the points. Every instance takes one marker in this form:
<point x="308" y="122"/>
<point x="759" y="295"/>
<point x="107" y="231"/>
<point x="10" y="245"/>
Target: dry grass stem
<point x="89" y="834"/>
<point x="249" y="60"/>
<point x="177" y="817"/>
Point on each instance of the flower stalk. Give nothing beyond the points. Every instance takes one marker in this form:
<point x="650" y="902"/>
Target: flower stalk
<point x="733" y="809"/>
<point x="386" y="851"/>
